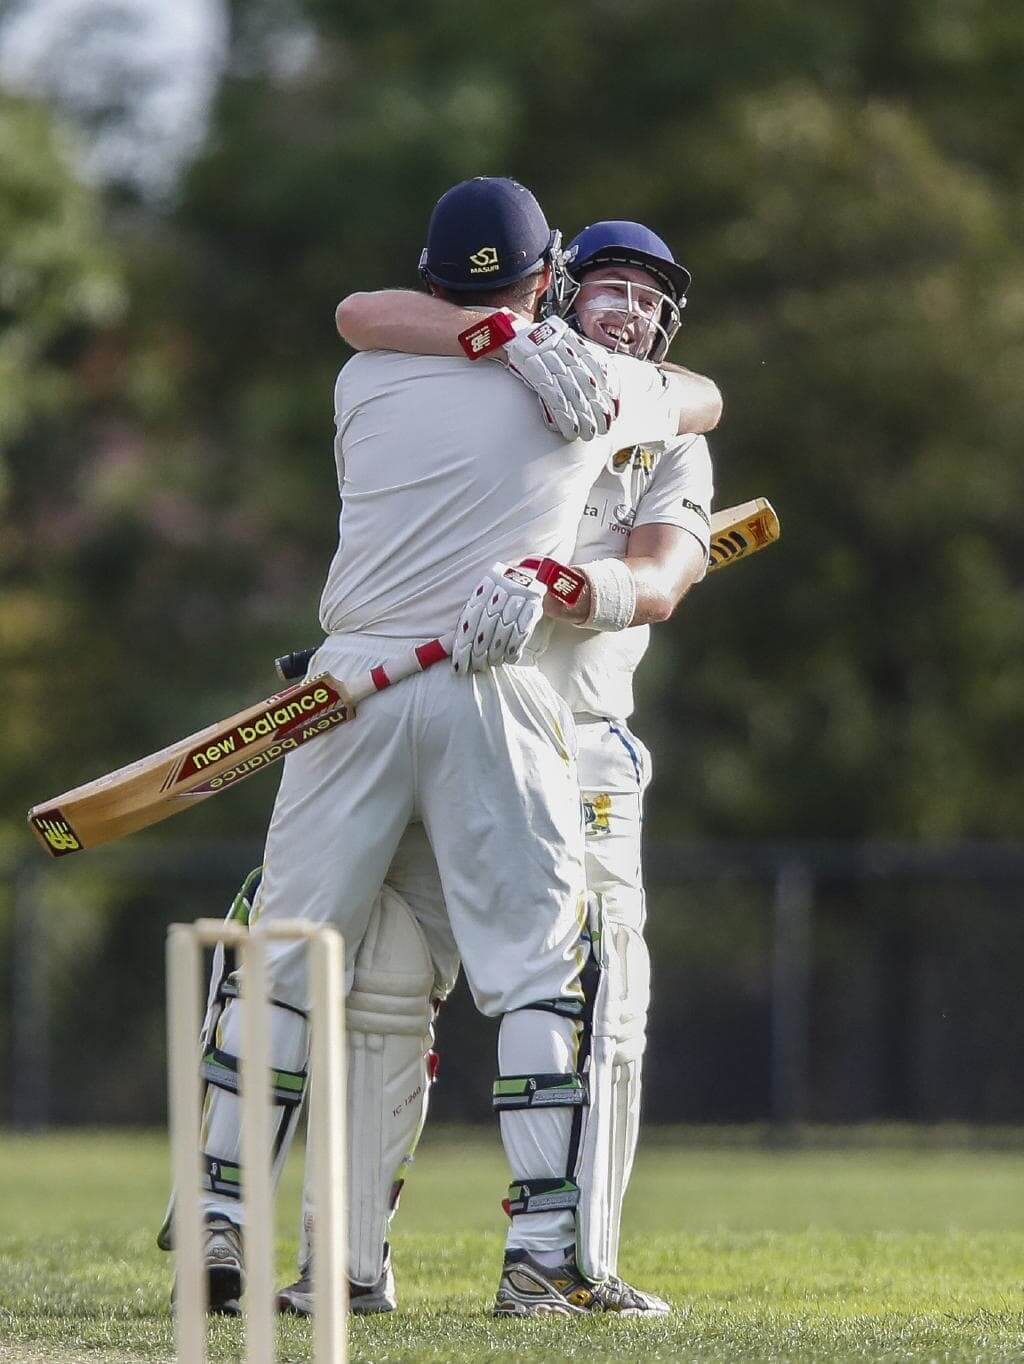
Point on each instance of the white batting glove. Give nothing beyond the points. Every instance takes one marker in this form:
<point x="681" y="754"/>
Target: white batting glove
<point x="496" y="622"/>
<point x="569" y="376"/>
<point x="504" y="609"/>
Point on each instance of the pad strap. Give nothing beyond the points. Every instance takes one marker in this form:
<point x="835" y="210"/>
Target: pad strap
<point x="221" y="1176"/>
<point x="563" y="1007"/>
<point x="541" y="1195"/>
<point x="230" y="990"/>
<point x="220" y="1068"/>
<point x="539" y="1091"/>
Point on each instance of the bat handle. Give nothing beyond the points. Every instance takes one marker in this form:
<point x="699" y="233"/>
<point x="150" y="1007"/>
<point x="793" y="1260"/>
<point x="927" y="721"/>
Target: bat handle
<point x="294" y="666"/>
<point x="417" y="660"/>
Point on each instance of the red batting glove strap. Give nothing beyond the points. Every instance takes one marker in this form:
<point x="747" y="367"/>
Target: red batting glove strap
<point x="562" y="582"/>
<point x="484" y="338"/>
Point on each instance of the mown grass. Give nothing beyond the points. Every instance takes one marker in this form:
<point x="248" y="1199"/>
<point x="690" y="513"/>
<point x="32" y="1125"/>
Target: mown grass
<point x="893" y="1251"/>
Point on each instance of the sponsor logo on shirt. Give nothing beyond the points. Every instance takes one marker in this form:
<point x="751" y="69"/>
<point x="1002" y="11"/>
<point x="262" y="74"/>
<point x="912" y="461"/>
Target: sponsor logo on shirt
<point x="637" y="455"/>
<point x="595" y="814"/>
<point x="624" y="518"/>
<point x="698" y="510"/>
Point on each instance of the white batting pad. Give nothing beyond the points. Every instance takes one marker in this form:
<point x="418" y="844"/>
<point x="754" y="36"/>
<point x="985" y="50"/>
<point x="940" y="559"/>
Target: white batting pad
<point x="388" y="1018"/>
<point x="609" y="1136"/>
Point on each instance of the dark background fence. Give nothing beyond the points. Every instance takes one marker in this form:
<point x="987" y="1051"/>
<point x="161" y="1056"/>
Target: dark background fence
<point x="812" y="982"/>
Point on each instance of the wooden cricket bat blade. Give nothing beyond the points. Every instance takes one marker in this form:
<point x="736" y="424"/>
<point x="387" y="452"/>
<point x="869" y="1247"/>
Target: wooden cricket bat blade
<point x="216" y="758"/>
<point x="186" y="772"/>
<point x="742" y="530"/>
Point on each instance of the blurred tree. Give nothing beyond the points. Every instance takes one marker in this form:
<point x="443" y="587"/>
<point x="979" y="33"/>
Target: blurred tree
<point x="863" y="308"/>
<point x="60" y="291"/>
<point x="858" y="285"/>
<point x="132" y="76"/>
<point x="845" y="182"/>
<point x="858" y="293"/>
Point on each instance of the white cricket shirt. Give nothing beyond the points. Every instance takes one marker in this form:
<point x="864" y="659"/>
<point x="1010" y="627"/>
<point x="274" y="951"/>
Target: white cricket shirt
<point x="666" y="483"/>
<point x="444" y="467"/>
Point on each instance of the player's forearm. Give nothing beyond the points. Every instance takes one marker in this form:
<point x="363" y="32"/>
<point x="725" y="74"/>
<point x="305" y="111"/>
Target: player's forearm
<point x="661" y="565"/>
<point x="657" y="595"/>
<point x="403" y="320"/>
<point x="700" y="400"/>
<point x="658" y="592"/>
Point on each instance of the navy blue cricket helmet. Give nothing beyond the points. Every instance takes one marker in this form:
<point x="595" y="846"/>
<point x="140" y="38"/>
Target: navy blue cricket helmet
<point x="487" y="233"/>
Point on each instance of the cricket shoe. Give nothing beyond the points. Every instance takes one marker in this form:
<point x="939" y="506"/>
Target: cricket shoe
<point x="650" y="1304"/>
<point x="222" y="1260"/>
<point x="363" y="1300"/>
<point x="530" y="1289"/>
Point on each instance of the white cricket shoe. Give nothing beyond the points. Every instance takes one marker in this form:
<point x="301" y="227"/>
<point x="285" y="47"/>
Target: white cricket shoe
<point x="222" y="1261"/>
<point x="530" y="1289"/>
<point x="363" y="1300"/>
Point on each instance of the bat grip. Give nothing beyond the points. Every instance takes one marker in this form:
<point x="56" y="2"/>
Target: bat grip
<point x="417" y="660"/>
<point x="294" y="666"/>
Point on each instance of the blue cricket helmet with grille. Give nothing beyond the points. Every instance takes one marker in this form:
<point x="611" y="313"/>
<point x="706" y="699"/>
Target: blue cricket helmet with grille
<point x="620" y="242"/>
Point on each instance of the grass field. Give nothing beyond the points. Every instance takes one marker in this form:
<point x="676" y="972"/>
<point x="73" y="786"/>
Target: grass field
<point x="891" y="1251"/>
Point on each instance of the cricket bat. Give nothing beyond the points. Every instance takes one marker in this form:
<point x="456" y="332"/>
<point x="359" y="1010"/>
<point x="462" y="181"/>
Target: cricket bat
<point x="220" y="756"/>
<point x="739" y="531"/>
<point x="213" y="759"/>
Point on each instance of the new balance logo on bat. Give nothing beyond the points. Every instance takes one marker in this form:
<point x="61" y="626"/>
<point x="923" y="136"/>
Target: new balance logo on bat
<point x="58" y="833"/>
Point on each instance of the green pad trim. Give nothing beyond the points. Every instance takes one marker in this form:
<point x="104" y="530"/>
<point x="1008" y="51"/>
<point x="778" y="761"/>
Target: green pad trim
<point x="541" y="1195"/>
<point x="241" y="905"/>
<point x="220" y="1068"/>
<point x="539" y="1091"/>
<point x="221" y="1177"/>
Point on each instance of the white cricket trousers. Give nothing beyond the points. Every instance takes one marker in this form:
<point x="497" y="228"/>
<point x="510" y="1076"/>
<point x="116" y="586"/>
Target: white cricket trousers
<point x="613" y="770"/>
<point x="488" y="764"/>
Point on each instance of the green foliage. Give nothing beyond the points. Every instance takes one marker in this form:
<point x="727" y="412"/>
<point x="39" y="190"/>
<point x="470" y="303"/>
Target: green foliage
<point x="58" y="278"/>
<point x="859" y="283"/>
<point x="60" y="288"/>
<point x="858" y="294"/>
<point x="845" y="182"/>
